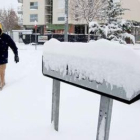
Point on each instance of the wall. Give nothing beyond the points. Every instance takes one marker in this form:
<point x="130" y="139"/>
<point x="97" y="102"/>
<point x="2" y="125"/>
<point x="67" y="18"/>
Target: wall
<point x="40" y="11"/>
<point x="59" y="9"/>
<point x="134" y="12"/>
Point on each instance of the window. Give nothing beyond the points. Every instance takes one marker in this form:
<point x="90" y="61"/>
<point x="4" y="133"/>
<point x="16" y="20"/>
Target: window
<point x="76" y="14"/>
<point x="33" y="17"/>
<point x="61" y="18"/>
<point x="33" y="5"/>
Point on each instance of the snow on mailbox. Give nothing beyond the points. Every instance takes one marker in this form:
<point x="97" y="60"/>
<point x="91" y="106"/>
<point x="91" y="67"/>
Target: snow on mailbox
<point x="107" y="68"/>
<point x="103" y="67"/>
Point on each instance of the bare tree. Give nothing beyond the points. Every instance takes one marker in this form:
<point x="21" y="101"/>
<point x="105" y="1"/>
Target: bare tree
<point x="1" y="16"/>
<point x="9" y="20"/>
<point x="86" y="10"/>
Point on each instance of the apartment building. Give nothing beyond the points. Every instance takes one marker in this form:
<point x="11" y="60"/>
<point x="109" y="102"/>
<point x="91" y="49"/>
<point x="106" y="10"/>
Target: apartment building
<point x="36" y="10"/>
<point x="58" y="21"/>
<point x="20" y="15"/>
<point x="50" y="15"/>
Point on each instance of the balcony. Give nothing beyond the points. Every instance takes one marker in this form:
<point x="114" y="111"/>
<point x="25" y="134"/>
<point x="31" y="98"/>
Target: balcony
<point x="48" y="2"/>
<point x="48" y="10"/>
<point x="20" y="22"/>
<point x="20" y="10"/>
<point x="20" y="1"/>
<point x="48" y="19"/>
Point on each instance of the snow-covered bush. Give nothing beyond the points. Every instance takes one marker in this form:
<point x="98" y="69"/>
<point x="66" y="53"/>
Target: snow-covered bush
<point x="114" y="31"/>
<point x="113" y="27"/>
<point x="93" y="27"/>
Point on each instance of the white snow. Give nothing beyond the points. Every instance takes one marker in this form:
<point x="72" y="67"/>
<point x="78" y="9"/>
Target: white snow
<point x="130" y="36"/>
<point x="93" y="26"/>
<point x="25" y="106"/>
<point x="123" y="22"/>
<point x="100" y="60"/>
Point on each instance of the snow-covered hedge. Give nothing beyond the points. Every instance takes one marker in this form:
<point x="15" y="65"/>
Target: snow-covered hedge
<point x="117" y="31"/>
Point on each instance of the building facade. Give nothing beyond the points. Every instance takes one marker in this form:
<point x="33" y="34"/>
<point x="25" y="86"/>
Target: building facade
<point x="50" y="15"/>
<point x="39" y="11"/>
<point x="134" y="9"/>
<point x="77" y="27"/>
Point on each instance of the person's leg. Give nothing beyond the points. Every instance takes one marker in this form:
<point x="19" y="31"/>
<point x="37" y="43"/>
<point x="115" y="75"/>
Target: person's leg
<point x="2" y="75"/>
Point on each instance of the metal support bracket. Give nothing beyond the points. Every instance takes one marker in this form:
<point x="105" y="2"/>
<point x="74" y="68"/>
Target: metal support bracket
<point x="55" y="103"/>
<point x="104" y="118"/>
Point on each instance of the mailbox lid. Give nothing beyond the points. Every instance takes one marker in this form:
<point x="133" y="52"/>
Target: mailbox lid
<point x="113" y="67"/>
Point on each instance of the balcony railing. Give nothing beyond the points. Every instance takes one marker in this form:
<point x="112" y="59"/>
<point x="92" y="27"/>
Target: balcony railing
<point x="20" y="10"/>
<point x="48" y="2"/>
<point x="20" y="22"/>
<point x="48" y="10"/>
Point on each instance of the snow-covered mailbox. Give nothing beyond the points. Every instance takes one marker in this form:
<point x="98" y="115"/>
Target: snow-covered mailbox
<point x="103" y="67"/>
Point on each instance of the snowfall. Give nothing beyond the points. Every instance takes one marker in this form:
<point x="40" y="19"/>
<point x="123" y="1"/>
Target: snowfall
<point x="25" y="105"/>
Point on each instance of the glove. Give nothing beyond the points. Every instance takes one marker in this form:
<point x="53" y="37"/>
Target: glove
<point x="16" y="58"/>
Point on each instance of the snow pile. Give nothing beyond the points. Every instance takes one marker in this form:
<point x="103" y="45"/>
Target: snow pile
<point x="100" y="60"/>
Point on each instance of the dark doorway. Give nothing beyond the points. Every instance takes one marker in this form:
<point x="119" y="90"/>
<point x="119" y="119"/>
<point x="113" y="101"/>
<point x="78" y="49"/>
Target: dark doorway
<point x="79" y="29"/>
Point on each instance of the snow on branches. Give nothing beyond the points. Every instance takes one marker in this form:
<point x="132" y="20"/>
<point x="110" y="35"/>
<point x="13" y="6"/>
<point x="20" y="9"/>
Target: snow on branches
<point x="112" y="12"/>
<point x="9" y="19"/>
<point x="119" y="31"/>
<point x="113" y="27"/>
<point x="85" y="10"/>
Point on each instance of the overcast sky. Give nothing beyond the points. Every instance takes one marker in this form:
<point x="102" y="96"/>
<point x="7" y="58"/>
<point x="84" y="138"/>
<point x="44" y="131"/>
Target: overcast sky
<point x="8" y="4"/>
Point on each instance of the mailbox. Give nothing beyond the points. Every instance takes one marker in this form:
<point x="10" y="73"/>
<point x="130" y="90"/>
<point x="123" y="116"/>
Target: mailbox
<point x="101" y="67"/>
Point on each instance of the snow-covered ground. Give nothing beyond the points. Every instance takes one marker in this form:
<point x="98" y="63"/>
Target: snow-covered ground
<point x="25" y="105"/>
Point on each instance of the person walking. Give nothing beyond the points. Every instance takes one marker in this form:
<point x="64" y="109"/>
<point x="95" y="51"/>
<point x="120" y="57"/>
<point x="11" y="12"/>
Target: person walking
<point x="5" y="43"/>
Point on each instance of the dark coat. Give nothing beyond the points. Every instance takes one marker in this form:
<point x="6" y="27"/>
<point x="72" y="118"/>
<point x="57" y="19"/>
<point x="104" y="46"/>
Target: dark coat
<point x="5" y="42"/>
